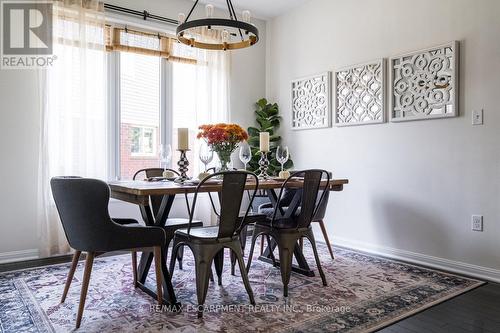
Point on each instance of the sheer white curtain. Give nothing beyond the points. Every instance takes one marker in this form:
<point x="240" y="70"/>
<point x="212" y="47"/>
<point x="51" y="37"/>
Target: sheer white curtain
<point x="212" y="86"/>
<point x="74" y="121"/>
<point x="201" y="92"/>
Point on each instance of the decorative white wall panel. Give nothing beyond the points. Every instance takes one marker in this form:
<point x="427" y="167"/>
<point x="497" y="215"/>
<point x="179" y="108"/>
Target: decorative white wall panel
<point x="424" y="84"/>
<point x="360" y="94"/>
<point x="311" y="102"/>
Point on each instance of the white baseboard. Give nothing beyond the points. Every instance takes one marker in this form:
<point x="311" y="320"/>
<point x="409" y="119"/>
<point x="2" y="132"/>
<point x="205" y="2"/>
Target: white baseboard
<point x="480" y="272"/>
<point x="6" y="257"/>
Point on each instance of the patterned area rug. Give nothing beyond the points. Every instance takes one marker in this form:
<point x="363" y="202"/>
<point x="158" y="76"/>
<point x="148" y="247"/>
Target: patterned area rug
<point x="364" y="293"/>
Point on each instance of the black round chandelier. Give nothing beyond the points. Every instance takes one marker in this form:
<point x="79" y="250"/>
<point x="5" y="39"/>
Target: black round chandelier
<point x="213" y="33"/>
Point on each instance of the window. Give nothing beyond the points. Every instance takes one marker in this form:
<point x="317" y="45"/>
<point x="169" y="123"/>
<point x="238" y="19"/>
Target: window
<point x="143" y="141"/>
<point x="139" y="112"/>
<point x="150" y="98"/>
<point x="184" y="112"/>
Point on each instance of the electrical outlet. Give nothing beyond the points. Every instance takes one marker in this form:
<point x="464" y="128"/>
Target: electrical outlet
<point x="477" y="222"/>
<point x="477" y="117"/>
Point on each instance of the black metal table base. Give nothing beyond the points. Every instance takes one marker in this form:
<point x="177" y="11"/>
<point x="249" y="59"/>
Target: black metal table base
<point x="159" y="220"/>
<point x="295" y="268"/>
<point x="301" y="268"/>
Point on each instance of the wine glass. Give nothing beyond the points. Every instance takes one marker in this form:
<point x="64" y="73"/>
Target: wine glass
<point x="245" y="154"/>
<point x="282" y="155"/>
<point x="165" y="156"/>
<point x="206" y="155"/>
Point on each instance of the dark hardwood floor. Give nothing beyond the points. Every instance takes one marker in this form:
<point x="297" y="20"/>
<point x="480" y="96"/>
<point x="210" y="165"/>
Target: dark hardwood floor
<point x="475" y="311"/>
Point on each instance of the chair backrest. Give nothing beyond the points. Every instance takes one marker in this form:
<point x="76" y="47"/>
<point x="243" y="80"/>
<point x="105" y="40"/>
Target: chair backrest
<point x="153" y="172"/>
<point x="231" y="195"/>
<point x="82" y="204"/>
<point x="213" y="170"/>
<point x="316" y="183"/>
<point x="321" y="212"/>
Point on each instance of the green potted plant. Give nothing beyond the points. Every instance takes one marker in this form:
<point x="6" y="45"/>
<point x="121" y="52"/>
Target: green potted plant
<point x="268" y="120"/>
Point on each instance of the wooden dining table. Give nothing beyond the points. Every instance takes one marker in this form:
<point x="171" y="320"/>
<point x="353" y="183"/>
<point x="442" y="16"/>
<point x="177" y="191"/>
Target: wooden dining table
<point x="140" y="193"/>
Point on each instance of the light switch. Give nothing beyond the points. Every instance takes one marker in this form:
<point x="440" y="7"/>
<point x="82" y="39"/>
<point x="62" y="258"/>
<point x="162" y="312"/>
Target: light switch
<point x="477" y="117"/>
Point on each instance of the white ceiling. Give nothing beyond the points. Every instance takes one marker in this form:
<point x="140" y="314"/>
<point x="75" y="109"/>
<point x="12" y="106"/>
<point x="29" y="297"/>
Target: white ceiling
<point x="264" y="9"/>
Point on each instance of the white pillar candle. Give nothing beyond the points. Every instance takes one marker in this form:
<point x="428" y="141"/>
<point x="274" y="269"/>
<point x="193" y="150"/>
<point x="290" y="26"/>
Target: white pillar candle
<point x="183" y="138"/>
<point x="264" y="141"/>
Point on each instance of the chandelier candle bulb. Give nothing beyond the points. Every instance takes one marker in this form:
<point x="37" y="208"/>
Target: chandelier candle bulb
<point x="209" y="10"/>
<point x="246" y="16"/>
<point x="264" y="142"/>
<point x="183" y="139"/>
<point x="181" y="17"/>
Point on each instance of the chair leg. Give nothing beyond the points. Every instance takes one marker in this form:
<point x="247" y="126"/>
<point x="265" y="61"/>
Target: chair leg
<point x="219" y="265"/>
<point x="89" y="262"/>
<point x="310" y="237"/>
<point x="262" y="245"/>
<point x="134" y="267"/>
<point x="301" y="243"/>
<point x="286" y="256"/>
<point x="252" y="247"/>
<point x="233" y="263"/>
<point x="203" y="269"/>
<point x="271" y="250"/>
<point x="243" y="242"/>
<point x="325" y="235"/>
<point x="244" y="275"/>
<point x="159" y="276"/>
<point x="71" y="273"/>
<point x="243" y="238"/>
<point x="175" y="248"/>
<point x="180" y="255"/>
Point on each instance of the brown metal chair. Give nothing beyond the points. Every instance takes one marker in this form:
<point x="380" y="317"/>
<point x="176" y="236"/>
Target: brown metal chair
<point x="207" y="243"/>
<point x="250" y="218"/>
<point x="286" y="228"/>
<point x="172" y="224"/>
<point x="83" y="208"/>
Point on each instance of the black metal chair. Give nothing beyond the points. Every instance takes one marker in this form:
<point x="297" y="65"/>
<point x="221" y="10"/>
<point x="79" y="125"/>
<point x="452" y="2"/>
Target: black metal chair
<point x="207" y="243"/>
<point x="267" y="209"/>
<point x="287" y="229"/>
<point x="83" y="209"/>
<point x="172" y="224"/>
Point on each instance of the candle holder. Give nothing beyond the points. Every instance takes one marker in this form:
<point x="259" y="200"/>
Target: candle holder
<point x="263" y="165"/>
<point x="183" y="164"/>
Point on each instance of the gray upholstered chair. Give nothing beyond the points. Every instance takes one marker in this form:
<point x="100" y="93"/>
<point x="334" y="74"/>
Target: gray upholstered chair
<point x="207" y="243"/>
<point x="172" y="224"/>
<point x="287" y="230"/>
<point x="83" y="209"/>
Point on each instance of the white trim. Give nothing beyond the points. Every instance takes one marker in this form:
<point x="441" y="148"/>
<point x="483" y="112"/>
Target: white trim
<point x="480" y="272"/>
<point x="21" y="255"/>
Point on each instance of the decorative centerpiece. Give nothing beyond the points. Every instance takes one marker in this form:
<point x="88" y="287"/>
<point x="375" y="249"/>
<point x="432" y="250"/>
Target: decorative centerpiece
<point x="223" y="139"/>
<point x="183" y="147"/>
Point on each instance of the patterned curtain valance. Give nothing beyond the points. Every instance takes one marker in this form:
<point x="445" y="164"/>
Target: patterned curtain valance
<point x="125" y="39"/>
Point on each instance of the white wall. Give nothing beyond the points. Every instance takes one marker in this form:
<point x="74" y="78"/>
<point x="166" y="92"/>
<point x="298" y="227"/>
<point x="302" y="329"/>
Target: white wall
<point x="414" y="185"/>
<point x="19" y="132"/>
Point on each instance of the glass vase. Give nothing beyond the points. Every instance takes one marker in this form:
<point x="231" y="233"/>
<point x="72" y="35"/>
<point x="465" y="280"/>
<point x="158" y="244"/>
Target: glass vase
<point x="225" y="160"/>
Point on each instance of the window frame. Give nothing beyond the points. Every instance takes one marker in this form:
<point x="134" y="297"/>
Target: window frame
<point x="114" y="105"/>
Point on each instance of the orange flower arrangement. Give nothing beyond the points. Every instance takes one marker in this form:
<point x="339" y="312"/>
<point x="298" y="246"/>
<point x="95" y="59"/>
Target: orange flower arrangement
<point x="223" y="139"/>
<point x="222" y="133"/>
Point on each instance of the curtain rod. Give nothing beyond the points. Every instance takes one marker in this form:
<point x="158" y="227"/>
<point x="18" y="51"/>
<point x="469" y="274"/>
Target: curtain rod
<point x="144" y="14"/>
